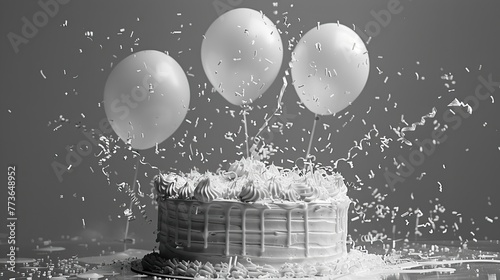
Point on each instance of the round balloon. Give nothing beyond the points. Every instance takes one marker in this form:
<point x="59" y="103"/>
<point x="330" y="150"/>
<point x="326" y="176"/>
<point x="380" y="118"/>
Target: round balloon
<point x="146" y="98"/>
<point x="242" y="54"/>
<point x="330" y="67"/>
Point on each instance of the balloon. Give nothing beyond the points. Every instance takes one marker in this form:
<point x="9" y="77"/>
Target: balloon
<point x="146" y="98"/>
<point x="241" y="55"/>
<point x="330" y="67"/>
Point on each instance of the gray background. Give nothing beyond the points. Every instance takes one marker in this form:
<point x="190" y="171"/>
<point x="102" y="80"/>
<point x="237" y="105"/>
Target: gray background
<point x="428" y="37"/>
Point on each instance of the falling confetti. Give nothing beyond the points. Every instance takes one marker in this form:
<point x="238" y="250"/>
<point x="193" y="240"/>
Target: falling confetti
<point x="401" y="132"/>
<point x="456" y="103"/>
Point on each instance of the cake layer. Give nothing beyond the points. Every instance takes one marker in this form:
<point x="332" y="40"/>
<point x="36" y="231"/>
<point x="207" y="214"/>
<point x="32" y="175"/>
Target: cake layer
<point x="235" y="248"/>
<point x="290" y="231"/>
<point x="255" y="238"/>
<point x="271" y="226"/>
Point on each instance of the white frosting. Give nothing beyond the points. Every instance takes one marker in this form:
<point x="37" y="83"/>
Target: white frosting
<point x="311" y="186"/>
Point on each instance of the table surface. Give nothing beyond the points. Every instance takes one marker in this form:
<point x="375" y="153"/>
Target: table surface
<point x="75" y="258"/>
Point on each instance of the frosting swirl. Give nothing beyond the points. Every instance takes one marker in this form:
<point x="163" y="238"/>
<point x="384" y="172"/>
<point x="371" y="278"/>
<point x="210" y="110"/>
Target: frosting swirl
<point x="156" y="183"/>
<point x="236" y="170"/>
<point x="252" y="193"/>
<point x="250" y="180"/>
<point x="165" y="185"/>
<point x="275" y="189"/>
<point x="337" y="185"/>
<point x="204" y="192"/>
<point x="306" y="191"/>
<point x="290" y="194"/>
<point x="186" y="191"/>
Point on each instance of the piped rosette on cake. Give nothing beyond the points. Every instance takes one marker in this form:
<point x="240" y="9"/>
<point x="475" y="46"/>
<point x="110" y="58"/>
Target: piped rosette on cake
<point x="251" y="181"/>
<point x="265" y="214"/>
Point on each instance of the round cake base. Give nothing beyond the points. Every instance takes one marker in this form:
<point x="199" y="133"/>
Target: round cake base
<point x="355" y="262"/>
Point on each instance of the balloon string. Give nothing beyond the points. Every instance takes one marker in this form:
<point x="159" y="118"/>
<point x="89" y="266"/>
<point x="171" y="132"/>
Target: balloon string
<point x="312" y="136"/>
<point x="278" y="107"/>
<point x="131" y="202"/>
<point x="246" y="130"/>
<point x="266" y="122"/>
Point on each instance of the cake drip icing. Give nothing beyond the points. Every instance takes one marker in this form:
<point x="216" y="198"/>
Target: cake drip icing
<point x="249" y="180"/>
<point x="265" y="233"/>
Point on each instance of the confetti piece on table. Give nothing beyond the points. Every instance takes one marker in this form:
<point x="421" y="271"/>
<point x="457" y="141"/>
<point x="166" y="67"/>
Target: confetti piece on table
<point x="90" y="275"/>
<point x="50" y="249"/>
<point x="18" y="260"/>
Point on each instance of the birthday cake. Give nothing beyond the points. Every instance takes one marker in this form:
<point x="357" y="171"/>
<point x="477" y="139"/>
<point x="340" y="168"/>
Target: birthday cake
<point x="253" y="214"/>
